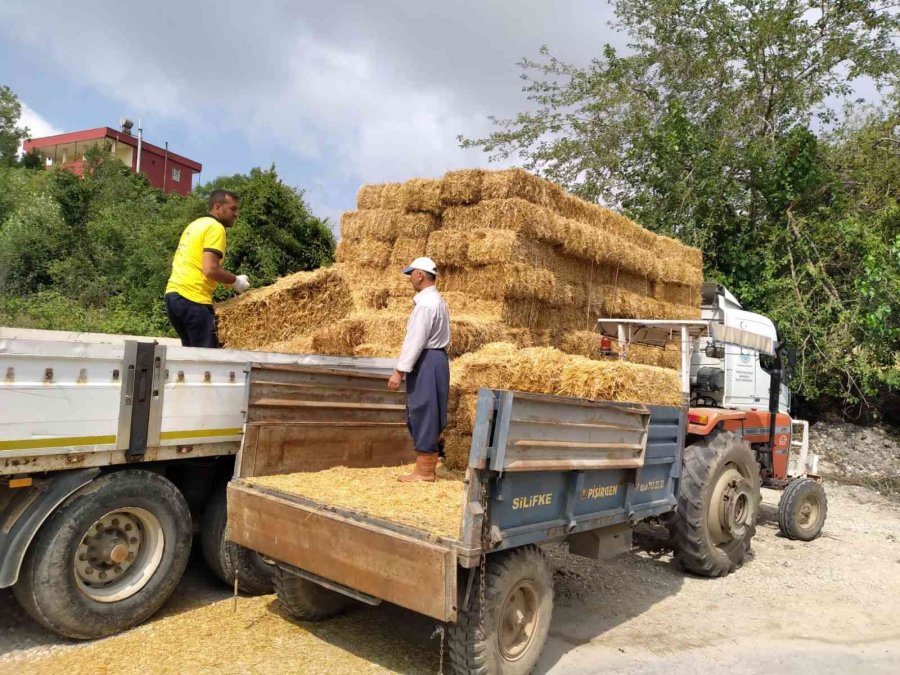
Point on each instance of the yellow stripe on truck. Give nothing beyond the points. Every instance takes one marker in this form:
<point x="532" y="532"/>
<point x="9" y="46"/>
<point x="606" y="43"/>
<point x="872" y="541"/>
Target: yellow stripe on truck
<point x="66" y="441"/>
<point x="57" y="442"/>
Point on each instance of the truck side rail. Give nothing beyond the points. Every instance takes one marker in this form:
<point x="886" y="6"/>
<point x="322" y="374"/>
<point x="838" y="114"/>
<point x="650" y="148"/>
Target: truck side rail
<point x="70" y="404"/>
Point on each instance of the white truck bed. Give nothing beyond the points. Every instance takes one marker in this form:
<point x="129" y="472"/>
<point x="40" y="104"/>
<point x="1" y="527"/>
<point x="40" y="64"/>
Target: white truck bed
<point x="62" y="404"/>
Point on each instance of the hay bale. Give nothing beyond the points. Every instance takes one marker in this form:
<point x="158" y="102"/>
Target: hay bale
<point x="407" y="249"/>
<point x="375" y="350"/>
<point x="383" y="196"/>
<point x="607" y="220"/>
<point x="513" y="280"/>
<point x="538" y="224"/>
<point x="677" y="294"/>
<point x="371" y="298"/>
<point x="302" y="344"/>
<point x="587" y="344"/>
<point x="690" y="257"/>
<point x="623" y="304"/>
<point x="548" y="371"/>
<point x="341" y="338"/>
<point x="457" y="447"/>
<point x="385" y="225"/>
<point x="515" y="214"/>
<point x="381" y="333"/>
<point x="364" y="252"/>
<point x="422" y="194"/>
<point x="620" y="381"/>
<point x="447" y="248"/>
<point x="369" y="197"/>
<point x="461" y="187"/>
<point x="518" y="183"/>
<point x="371" y="281"/>
<point x="488" y="247"/>
<point x="291" y="307"/>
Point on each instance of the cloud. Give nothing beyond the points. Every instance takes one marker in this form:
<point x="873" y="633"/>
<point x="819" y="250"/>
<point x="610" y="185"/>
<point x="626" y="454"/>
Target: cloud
<point x="375" y="91"/>
<point x="38" y="126"/>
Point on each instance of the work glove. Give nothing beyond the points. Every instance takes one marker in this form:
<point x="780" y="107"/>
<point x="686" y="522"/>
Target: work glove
<point x="241" y="284"/>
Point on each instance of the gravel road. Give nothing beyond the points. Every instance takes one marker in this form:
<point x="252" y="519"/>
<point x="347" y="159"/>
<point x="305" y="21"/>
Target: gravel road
<point x="829" y="606"/>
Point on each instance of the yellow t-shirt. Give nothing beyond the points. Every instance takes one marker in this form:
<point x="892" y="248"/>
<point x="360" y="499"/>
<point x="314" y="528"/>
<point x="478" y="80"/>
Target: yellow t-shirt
<point x="187" y="279"/>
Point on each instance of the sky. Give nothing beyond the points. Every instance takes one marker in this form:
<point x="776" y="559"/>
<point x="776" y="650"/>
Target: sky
<point x="335" y="93"/>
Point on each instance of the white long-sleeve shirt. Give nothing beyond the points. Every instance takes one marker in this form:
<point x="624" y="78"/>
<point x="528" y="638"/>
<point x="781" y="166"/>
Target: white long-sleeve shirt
<point x="428" y="328"/>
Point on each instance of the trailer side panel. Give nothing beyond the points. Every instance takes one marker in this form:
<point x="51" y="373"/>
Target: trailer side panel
<point x="412" y="573"/>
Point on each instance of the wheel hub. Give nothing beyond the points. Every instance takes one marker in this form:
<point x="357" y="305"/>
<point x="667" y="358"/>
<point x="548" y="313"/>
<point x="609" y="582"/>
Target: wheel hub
<point x="731" y="510"/>
<point x="808" y="513"/>
<point x="109" y="549"/>
<point x="518" y="620"/>
<point x="118" y="554"/>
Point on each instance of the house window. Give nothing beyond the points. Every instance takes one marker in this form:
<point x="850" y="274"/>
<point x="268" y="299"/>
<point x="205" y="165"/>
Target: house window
<point x="176" y="174"/>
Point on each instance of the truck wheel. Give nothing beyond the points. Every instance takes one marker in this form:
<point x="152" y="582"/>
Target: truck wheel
<point x="802" y="509"/>
<point x="718" y="504"/>
<point x="109" y="557"/>
<point x="518" y="604"/>
<point x="306" y="600"/>
<point x="225" y="558"/>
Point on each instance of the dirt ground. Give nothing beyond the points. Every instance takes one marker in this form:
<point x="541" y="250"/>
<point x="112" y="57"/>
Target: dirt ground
<point x="829" y="606"/>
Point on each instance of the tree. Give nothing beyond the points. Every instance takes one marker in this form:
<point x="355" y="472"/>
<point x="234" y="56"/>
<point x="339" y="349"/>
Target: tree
<point x="275" y="233"/>
<point x="708" y="129"/>
<point x="10" y="134"/>
<point x="95" y="252"/>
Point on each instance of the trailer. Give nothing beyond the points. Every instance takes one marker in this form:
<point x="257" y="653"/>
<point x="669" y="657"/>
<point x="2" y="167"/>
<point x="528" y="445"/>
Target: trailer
<point x="541" y="469"/>
<point x="114" y="453"/>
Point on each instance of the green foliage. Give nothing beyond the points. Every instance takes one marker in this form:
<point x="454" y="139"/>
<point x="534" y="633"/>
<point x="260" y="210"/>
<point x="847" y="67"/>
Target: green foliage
<point x="275" y="233"/>
<point x="711" y="129"/>
<point x="95" y="253"/>
<point x="11" y="135"/>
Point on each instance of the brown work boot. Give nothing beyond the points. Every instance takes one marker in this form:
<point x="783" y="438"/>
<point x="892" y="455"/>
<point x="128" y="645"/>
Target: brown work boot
<point x="426" y="464"/>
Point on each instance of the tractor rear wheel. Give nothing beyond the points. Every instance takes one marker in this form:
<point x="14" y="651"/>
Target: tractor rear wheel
<point x="718" y="504"/>
<point x="802" y="509"/>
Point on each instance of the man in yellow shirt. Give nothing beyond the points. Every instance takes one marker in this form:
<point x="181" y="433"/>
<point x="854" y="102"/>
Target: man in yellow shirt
<point x="196" y="270"/>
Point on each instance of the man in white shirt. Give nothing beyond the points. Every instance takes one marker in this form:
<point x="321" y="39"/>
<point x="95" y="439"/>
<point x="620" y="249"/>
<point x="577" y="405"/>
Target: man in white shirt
<point x="423" y="360"/>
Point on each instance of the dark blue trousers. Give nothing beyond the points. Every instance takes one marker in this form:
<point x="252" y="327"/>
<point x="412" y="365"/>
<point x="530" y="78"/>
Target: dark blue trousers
<point x="427" y="390"/>
<point x="194" y="323"/>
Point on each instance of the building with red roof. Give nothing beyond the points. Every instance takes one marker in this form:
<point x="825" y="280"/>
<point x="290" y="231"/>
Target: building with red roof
<point x="164" y="169"/>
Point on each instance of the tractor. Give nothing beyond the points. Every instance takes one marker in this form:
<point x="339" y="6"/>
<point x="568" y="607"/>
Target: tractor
<point x="740" y="435"/>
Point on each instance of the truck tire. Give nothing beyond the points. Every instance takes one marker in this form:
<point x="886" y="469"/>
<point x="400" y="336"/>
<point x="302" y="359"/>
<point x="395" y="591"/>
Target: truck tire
<point x="802" y="509"/>
<point x="225" y="558"/>
<point x="306" y="600"/>
<point x="518" y="604"/>
<point x="718" y="504"/>
<point x="109" y="556"/>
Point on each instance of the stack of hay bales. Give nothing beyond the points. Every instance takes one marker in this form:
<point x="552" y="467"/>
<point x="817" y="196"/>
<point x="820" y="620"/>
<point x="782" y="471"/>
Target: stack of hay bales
<point x="526" y="270"/>
<point x="520" y="261"/>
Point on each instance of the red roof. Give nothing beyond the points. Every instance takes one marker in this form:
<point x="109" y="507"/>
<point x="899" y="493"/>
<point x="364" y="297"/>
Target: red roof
<point x="106" y="132"/>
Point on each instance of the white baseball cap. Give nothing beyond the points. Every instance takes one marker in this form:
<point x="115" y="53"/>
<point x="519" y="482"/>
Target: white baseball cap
<point x="424" y="264"/>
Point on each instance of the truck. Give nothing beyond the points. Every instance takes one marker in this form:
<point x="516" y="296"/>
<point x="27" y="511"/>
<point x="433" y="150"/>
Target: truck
<point x="541" y="469"/>
<point x="115" y="453"/>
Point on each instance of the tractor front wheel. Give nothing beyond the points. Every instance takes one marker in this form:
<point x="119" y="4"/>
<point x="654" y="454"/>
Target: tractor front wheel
<point x="802" y="509"/>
